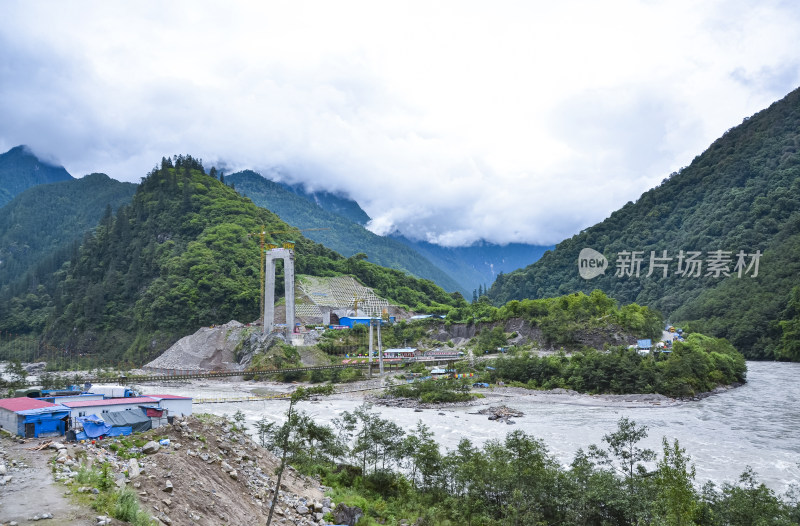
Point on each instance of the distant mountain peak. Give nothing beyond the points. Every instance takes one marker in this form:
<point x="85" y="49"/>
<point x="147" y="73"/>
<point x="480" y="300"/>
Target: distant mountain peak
<point x="333" y="202"/>
<point x="21" y="168"/>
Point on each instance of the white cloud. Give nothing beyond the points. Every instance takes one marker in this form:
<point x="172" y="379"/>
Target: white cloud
<point x="449" y="121"/>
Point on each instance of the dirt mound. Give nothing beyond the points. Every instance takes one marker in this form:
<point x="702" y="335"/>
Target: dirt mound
<point x="218" y="475"/>
<point x="209" y="349"/>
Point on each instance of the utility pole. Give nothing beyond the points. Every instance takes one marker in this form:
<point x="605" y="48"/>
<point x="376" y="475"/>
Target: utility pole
<point x="369" y="359"/>
<point x="380" y="349"/>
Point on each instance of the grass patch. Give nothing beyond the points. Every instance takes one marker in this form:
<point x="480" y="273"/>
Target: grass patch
<point x="121" y="504"/>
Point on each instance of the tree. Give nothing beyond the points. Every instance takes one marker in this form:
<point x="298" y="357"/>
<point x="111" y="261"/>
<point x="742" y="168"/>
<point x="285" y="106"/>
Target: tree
<point x="750" y="503"/>
<point x="17" y="373"/>
<point x="299" y="394"/>
<point x="422" y="455"/>
<point x="676" y="500"/>
<point x="790" y="328"/>
<point x="623" y="445"/>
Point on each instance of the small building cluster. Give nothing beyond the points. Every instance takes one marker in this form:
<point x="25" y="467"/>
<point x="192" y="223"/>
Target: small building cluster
<point x="79" y="414"/>
<point x="411" y="353"/>
<point x="671" y="334"/>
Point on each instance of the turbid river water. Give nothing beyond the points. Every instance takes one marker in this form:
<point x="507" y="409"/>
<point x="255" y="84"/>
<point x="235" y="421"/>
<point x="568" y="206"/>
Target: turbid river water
<point x="756" y="425"/>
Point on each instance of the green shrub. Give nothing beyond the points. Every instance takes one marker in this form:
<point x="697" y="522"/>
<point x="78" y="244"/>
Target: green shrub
<point x="127" y="509"/>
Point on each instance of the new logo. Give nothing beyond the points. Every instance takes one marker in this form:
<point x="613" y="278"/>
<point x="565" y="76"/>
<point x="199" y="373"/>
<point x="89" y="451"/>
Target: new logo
<point x="591" y="263"/>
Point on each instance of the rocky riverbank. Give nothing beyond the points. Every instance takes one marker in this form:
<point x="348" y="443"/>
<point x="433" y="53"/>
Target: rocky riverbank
<point x="416" y="404"/>
<point x="196" y="471"/>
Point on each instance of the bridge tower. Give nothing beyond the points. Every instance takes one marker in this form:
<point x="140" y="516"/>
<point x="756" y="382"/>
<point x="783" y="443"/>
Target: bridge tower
<point x="286" y="253"/>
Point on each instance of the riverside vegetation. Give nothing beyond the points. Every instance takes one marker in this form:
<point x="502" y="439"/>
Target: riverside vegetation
<point x="370" y="462"/>
<point x="697" y="365"/>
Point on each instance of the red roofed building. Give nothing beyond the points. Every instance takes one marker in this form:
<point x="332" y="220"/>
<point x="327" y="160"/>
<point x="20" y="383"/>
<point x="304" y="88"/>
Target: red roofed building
<point x="33" y="418"/>
<point x="109" y="405"/>
<point x="23" y="403"/>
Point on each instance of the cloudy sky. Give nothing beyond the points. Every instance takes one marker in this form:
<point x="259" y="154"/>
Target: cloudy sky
<point x="450" y="121"/>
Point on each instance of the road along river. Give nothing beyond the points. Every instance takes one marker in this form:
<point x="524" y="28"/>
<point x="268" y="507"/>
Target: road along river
<point x="757" y="424"/>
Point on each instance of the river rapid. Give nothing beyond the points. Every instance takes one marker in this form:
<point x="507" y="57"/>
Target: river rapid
<point x="755" y="425"/>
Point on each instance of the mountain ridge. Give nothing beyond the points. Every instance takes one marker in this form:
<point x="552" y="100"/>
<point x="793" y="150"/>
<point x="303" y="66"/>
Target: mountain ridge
<point x="342" y="234"/>
<point x="741" y="194"/>
<point x="21" y="169"/>
<point x="42" y="221"/>
<point x="183" y="254"/>
<point x="471" y="267"/>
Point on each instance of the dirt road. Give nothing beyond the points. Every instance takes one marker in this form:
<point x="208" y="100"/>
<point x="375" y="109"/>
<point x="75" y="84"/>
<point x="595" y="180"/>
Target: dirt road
<point x="32" y="490"/>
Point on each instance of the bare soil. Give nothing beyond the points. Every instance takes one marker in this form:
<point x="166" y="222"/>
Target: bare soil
<point x="32" y="489"/>
<point x="217" y="474"/>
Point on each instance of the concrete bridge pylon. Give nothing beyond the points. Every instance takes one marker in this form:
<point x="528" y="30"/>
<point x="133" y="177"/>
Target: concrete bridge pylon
<point x="287" y="255"/>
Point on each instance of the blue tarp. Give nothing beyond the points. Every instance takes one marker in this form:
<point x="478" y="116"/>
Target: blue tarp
<point x="93" y="426"/>
<point x="120" y="431"/>
<point x="113" y="432"/>
<point x="644" y="344"/>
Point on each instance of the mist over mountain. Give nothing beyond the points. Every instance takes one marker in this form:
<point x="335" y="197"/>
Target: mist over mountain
<point x="469" y="267"/>
<point x="20" y="169"/>
<point x="317" y="215"/>
<point x="480" y="263"/>
<point x="334" y="203"/>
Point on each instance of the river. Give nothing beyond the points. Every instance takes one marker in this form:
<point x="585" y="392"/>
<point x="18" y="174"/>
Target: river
<point x="755" y="425"/>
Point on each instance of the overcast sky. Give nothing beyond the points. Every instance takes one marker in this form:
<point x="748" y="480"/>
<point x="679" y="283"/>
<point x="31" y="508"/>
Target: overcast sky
<point x="450" y="121"/>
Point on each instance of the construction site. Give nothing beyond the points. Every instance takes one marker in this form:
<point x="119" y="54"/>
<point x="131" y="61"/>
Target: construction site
<point x="309" y="306"/>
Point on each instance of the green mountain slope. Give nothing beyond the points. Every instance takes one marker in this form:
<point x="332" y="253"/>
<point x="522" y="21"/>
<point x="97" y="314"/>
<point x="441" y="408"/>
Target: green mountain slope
<point x="21" y="169"/>
<point x="39" y="223"/>
<point x="455" y="268"/>
<point x="343" y="235"/>
<point x="336" y="204"/>
<point x="479" y="264"/>
<point x="179" y="257"/>
<point x="742" y="194"/>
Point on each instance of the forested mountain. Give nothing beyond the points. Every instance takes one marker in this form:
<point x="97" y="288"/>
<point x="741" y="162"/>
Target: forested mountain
<point x="181" y="256"/>
<point x="454" y="268"/>
<point x="480" y="263"/>
<point x="333" y="203"/>
<point x="741" y="196"/>
<point x="38" y="227"/>
<point x="303" y="210"/>
<point x="21" y="169"/>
